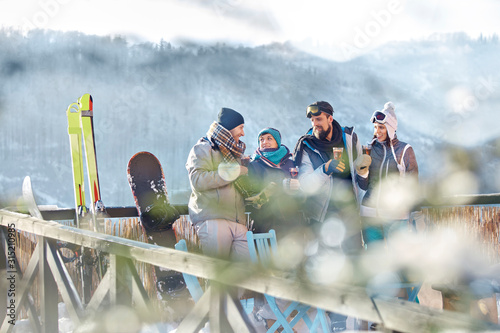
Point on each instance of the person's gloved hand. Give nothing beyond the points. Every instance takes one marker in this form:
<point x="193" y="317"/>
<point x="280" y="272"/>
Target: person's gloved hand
<point x="334" y="166"/>
<point x="255" y="201"/>
<point x="362" y="164"/>
<point x="291" y="184"/>
<point x="261" y="198"/>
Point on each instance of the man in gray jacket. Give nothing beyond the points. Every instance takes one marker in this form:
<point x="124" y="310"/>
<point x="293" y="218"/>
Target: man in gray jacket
<point x="216" y="205"/>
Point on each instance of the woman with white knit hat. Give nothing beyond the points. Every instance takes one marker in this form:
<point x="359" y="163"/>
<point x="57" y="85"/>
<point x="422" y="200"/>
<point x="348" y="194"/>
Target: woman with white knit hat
<point x="385" y="175"/>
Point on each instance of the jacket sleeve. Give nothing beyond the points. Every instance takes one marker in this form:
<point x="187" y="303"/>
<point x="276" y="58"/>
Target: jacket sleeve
<point x="411" y="162"/>
<point x="252" y="182"/>
<point x="362" y="182"/>
<point x="200" y="169"/>
<point x="357" y="149"/>
<point x="311" y="179"/>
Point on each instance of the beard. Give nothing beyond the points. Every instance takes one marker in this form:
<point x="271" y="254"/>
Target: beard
<point x="321" y="134"/>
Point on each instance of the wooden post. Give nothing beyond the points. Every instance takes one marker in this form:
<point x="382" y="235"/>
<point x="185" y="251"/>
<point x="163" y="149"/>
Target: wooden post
<point x="3" y="270"/>
<point x="87" y="261"/>
<point x="459" y="298"/>
<point x="120" y="290"/>
<point x="48" y="290"/>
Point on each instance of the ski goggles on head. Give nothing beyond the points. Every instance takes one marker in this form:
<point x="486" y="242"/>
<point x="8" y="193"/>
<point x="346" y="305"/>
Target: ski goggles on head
<point x="378" y="117"/>
<point x="315" y="110"/>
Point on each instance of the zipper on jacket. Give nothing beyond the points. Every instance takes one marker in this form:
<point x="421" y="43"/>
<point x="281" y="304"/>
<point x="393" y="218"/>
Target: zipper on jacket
<point x="380" y="176"/>
<point x="330" y="185"/>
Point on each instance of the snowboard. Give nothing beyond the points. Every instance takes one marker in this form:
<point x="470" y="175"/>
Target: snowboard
<point x="32" y="206"/>
<point x="29" y="199"/>
<point x="147" y="182"/>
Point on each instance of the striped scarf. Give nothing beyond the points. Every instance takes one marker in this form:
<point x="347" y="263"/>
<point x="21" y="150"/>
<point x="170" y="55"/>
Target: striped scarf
<point x="272" y="157"/>
<point x="231" y="151"/>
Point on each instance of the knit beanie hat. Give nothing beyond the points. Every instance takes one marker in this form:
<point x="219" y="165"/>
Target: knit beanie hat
<point x="274" y="132"/>
<point x="390" y="120"/>
<point x="229" y="119"/>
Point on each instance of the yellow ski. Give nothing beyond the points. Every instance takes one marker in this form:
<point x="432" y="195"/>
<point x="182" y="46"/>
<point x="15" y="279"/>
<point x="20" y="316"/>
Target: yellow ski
<point x="85" y="104"/>
<point x="75" y="140"/>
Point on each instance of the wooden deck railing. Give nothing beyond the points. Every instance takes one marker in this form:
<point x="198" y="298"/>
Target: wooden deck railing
<point x="122" y="285"/>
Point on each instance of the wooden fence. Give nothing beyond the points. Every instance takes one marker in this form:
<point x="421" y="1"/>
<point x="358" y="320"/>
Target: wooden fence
<point x="480" y="222"/>
<point x="122" y="284"/>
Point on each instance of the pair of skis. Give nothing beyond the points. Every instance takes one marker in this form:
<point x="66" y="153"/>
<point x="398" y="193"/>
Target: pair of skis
<point x="81" y="128"/>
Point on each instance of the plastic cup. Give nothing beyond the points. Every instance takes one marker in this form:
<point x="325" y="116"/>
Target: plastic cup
<point x="337" y="153"/>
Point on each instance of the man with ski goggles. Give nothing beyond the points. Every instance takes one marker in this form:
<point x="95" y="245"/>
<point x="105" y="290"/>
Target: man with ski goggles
<point x="328" y="179"/>
<point x="315" y="110"/>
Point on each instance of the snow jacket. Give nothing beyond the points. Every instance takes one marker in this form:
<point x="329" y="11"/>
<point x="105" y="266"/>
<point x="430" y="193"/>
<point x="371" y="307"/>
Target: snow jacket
<point x="212" y="197"/>
<point x="317" y="185"/>
<point x="383" y="166"/>
<point x="262" y="174"/>
<point x="281" y="212"/>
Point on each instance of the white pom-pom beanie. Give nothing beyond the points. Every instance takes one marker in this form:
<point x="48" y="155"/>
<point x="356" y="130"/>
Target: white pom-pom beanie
<point x="390" y="121"/>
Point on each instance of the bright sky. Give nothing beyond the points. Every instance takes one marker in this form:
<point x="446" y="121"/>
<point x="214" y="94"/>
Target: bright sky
<point x="337" y="29"/>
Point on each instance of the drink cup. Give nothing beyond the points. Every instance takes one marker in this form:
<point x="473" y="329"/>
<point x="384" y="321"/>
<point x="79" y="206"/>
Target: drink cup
<point x="245" y="160"/>
<point x="337" y="153"/>
<point x="367" y="149"/>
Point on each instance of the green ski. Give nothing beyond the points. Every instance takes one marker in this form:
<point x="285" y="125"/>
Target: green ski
<point x="80" y="128"/>
<point x="75" y="140"/>
<point x="85" y="104"/>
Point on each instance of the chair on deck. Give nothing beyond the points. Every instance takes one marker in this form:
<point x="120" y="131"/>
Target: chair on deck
<point x="413" y="289"/>
<point x="262" y="247"/>
<point x="382" y="290"/>
<point x="194" y="286"/>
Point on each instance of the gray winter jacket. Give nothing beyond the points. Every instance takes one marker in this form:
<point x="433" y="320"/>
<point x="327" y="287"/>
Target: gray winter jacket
<point x="319" y="186"/>
<point x="212" y="197"/>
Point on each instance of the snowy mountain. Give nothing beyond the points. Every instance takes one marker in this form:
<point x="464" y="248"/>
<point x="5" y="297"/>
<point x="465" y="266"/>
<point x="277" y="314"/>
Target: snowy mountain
<point x="162" y="99"/>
